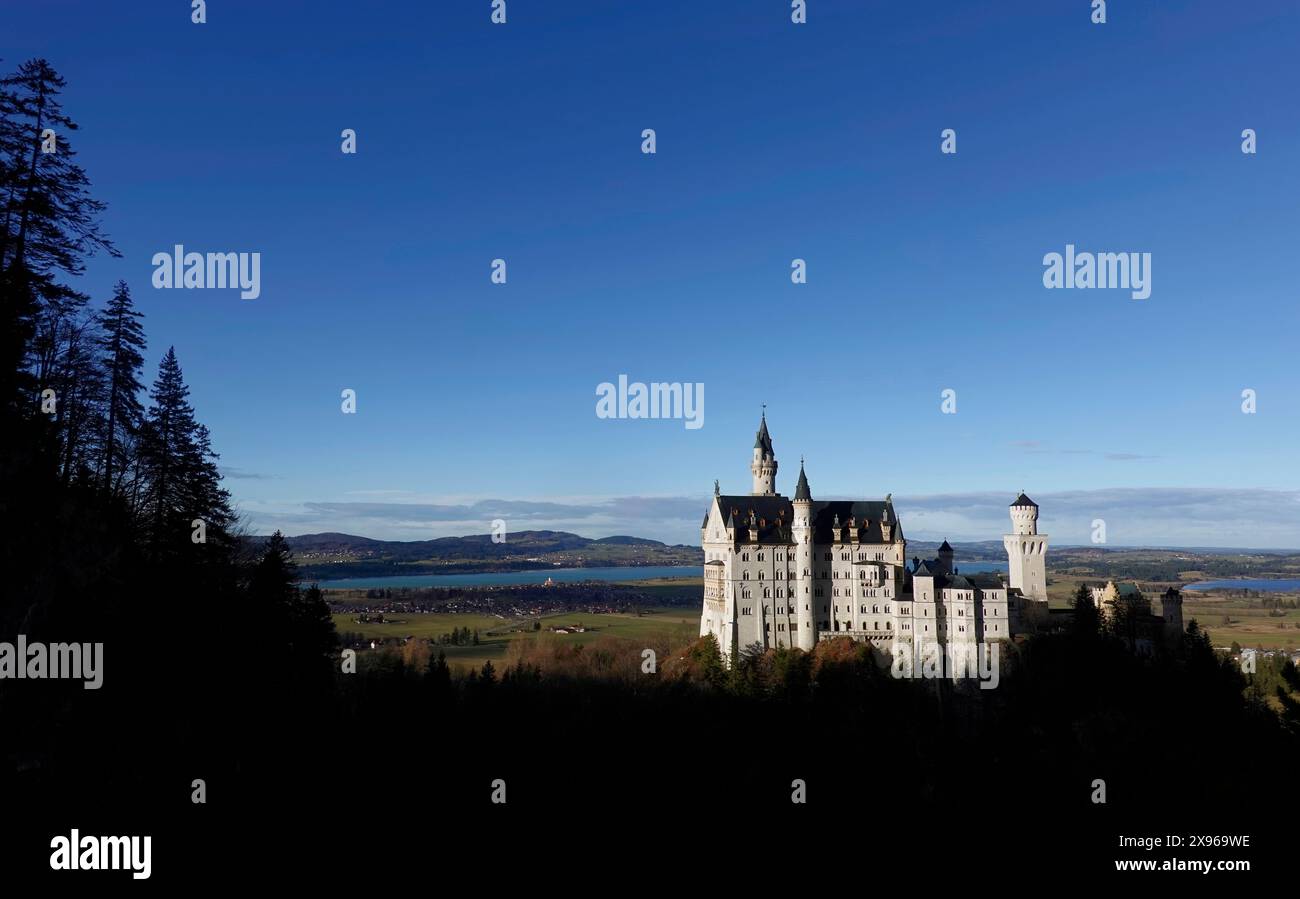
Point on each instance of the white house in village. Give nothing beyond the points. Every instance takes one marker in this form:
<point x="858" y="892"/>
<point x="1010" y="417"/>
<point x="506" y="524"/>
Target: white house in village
<point x="788" y="572"/>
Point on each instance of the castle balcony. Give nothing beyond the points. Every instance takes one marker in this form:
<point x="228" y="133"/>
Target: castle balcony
<point x="874" y="637"/>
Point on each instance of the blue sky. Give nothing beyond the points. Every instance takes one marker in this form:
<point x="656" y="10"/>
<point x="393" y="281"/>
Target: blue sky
<point x="775" y="141"/>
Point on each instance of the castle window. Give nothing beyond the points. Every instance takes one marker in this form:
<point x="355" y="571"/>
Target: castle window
<point x="744" y="557"/>
<point x="744" y="575"/>
<point x="767" y="594"/>
<point x="760" y="575"/>
<point x="760" y="557"/>
<point x="826" y="557"/>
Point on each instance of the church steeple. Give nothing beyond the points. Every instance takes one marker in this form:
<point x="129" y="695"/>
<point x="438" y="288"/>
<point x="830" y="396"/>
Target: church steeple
<point x="764" y="465"/>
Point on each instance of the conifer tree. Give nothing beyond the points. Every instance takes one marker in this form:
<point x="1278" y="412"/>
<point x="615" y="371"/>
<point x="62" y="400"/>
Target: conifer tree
<point x="49" y="223"/>
<point x="122" y="343"/>
<point x="183" y="481"/>
<point x="1087" y="621"/>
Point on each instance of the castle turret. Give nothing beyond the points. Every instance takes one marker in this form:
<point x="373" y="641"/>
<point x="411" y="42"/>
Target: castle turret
<point x="764" y="465"/>
<point x="1171" y="609"/>
<point x="802" y="534"/>
<point x="945" y="558"/>
<point x="1026" y="550"/>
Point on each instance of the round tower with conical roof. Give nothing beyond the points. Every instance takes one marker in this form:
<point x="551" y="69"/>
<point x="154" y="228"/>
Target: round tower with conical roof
<point x="1026" y="550"/>
<point x="945" y="557"/>
<point x="764" y="465"/>
<point x="801" y="530"/>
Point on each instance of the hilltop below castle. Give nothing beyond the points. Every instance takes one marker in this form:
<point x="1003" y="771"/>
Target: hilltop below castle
<point x="788" y="572"/>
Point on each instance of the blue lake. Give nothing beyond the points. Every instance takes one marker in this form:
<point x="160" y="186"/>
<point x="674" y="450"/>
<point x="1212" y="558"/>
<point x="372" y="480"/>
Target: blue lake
<point x="1271" y="585"/>
<point x="559" y="575"/>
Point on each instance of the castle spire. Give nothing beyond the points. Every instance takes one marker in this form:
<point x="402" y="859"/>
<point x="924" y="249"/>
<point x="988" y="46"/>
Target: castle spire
<point x="801" y="491"/>
<point x="764" y="465"/>
<point x="763" y="440"/>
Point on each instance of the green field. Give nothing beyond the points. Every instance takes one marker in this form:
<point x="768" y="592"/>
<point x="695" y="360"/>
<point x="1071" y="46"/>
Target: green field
<point x="495" y="633"/>
<point x="1248" y="626"/>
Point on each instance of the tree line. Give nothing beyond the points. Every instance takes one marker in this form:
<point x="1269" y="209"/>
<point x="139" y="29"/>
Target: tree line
<point x="114" y="525"/>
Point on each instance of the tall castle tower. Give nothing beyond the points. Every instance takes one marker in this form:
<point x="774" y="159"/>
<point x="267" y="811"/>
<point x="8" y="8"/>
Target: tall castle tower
<point x="1026" y="550"/>
<point x="1171" y="609"/>
<point x="764" y="464"/>
<point x="801" y="531"/>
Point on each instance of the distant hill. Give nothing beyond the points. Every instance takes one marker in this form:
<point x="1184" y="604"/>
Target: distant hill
<point x="630" y="541"/>
<point x="332" y="555"/>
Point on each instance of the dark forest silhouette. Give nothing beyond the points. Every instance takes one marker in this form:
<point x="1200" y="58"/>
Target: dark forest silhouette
<point x="220" y="665"/>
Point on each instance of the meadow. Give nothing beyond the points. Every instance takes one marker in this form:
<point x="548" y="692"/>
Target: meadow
<point x="675" y="624"/>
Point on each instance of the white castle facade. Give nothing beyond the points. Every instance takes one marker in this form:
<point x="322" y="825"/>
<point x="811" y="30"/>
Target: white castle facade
<point x="788" y="572"/>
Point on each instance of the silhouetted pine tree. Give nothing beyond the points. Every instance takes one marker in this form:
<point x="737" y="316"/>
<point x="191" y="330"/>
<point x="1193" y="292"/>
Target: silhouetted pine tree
<point x="182" y="481"/>
<point x="314" y="638"/>
<point x="122" y="343"/>
<point x="49" y="221"/>
<point x="1087" y="620"/>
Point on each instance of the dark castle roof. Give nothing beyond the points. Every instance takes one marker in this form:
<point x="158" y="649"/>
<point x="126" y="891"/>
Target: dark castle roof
<point x="801" y="490"/>
<point x="932" y="568"/>
<point x="772" y="516"/>
<point x="763" y="440"/>
<point x="1023" y="500"/>
<point x="985" y="581"/>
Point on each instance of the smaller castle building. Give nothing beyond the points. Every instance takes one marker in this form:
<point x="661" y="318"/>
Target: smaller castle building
<point x="1127" y="610"/>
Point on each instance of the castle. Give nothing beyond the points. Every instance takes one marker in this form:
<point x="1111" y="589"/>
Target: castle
<point x="1128" y="611"/>
<point x="788" y="572"/>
